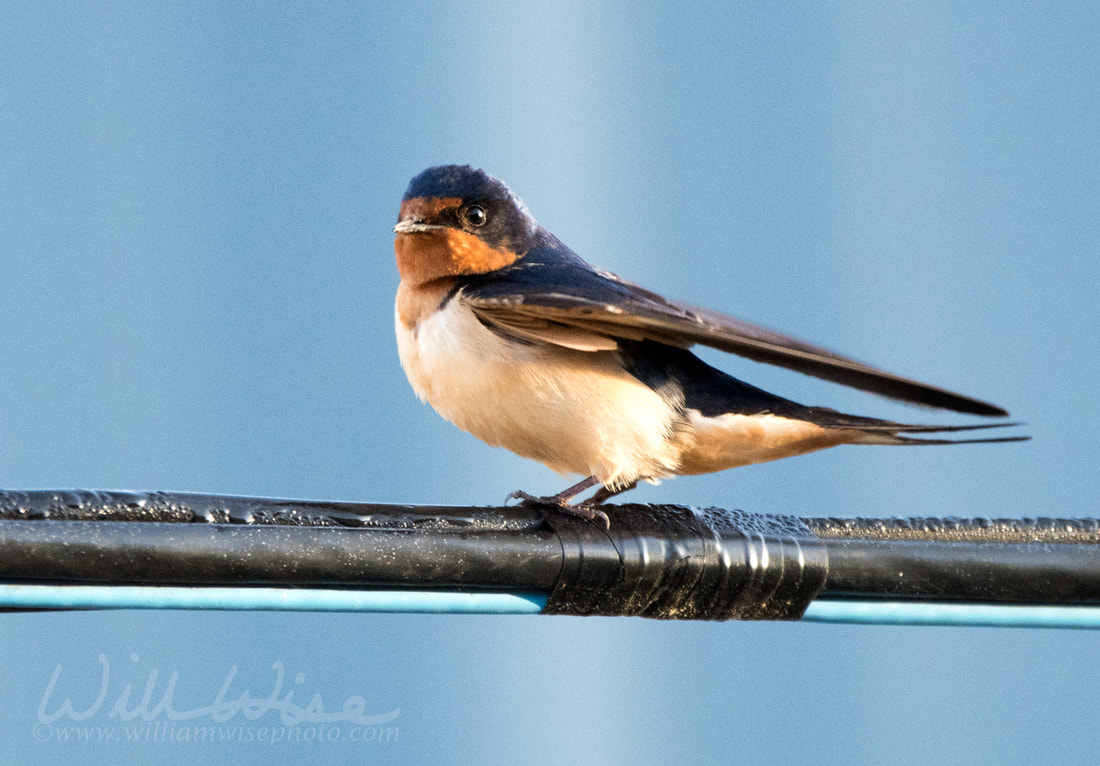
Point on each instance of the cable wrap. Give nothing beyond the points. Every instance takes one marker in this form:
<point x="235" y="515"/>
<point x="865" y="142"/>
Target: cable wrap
<point x="669" y="562"/>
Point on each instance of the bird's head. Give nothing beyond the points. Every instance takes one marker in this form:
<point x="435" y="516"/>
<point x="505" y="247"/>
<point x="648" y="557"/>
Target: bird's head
<point x="456" y="220"/>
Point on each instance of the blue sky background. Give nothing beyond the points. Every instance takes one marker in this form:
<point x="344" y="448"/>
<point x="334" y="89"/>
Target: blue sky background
<point x="196" y="285"/>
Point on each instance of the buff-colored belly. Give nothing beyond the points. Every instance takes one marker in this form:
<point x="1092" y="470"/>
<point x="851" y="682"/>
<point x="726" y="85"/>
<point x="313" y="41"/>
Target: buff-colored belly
<point x="574" y="411"/>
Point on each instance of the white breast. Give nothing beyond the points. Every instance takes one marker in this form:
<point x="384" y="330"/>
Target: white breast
<point x="574" y="411"/>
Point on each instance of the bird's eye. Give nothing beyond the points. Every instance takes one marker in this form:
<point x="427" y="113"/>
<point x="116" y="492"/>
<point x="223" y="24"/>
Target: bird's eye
<point x="475" y="215"/>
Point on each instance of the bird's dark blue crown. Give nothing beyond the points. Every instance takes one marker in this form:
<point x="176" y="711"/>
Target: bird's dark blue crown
<point x="461" y="181"/>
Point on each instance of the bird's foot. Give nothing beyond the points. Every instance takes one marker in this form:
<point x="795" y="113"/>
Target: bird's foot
<point x="560" y="503"/>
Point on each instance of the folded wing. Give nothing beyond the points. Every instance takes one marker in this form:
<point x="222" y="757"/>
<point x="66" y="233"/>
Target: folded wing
<point x="572" y="305"/>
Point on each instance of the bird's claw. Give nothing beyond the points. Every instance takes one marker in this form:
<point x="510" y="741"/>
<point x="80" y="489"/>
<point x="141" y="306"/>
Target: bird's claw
<point x="561" y="505"/>
<point x="519" y="494"/>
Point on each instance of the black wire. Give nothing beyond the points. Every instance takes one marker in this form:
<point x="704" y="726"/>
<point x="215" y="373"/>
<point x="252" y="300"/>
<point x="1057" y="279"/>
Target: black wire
<point x="655" y="561"/>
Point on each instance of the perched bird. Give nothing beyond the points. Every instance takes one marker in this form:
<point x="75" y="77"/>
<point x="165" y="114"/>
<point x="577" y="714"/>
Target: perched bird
<point x="514" y="338"/>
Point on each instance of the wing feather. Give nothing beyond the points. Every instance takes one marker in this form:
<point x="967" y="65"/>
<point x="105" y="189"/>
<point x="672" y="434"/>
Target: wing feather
<point x="575" y="306"/>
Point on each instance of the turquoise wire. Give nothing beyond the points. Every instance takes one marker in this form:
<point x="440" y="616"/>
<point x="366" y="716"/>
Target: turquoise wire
<point x="277" y="599"/>
<point x="863" y="612"/>
<point x="874" y="612"/>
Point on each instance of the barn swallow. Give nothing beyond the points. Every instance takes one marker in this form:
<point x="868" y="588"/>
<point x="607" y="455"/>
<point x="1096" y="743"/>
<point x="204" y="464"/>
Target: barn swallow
<point x="514" y="338"/>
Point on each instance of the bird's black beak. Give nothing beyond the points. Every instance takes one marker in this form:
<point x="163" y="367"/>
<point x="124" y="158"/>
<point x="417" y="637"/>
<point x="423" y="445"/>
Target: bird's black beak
<point x="414" y="226"/>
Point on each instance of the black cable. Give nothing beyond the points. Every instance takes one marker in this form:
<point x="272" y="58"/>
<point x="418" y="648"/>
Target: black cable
<point x="655" y="561"/>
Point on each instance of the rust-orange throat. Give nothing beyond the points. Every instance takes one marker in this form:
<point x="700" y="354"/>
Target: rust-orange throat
<point x="432" y="248"/>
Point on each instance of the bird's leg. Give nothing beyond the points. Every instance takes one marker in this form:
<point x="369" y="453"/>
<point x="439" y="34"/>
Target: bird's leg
<point x="604" y="493"/>
<point x="560" y="501"/>
<point x="562" y="498"/>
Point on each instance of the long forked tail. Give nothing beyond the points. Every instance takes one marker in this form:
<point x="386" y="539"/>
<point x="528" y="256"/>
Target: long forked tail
<point x="884" y="432"/>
